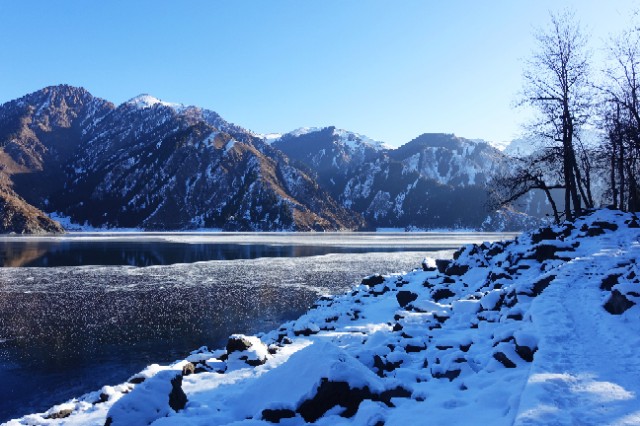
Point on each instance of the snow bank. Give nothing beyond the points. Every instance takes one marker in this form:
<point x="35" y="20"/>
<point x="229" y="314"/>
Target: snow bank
<point x="543" y="329"/>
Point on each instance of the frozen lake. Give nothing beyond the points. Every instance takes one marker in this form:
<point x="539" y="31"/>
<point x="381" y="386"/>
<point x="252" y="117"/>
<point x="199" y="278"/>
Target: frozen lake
<point x="84" y="310"/>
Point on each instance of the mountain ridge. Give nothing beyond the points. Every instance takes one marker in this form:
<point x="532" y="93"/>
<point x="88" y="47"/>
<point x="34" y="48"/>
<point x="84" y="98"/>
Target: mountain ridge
<point x="152" y="164"/>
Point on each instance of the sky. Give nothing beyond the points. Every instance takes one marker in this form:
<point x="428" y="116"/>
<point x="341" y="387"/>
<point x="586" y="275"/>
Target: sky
<point x="390" y="70"/>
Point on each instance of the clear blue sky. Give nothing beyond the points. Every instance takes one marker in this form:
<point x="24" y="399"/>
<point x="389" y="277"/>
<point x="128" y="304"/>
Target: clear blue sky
<point x="388" y="69"/>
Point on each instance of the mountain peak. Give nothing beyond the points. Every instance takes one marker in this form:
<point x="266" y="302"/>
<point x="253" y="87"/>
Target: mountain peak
<point x="145" y="101"/>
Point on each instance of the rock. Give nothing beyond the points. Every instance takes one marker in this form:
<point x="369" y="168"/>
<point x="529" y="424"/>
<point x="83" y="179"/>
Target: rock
<point x="465" y="348"/>
<point x="157" y="397"/>
<point x="456" y="269"/>
<point x="237" y="343"/>
<point x="449" y="374"/>
<point x="442" y="265"/>
<point x="442" y="293"/>
<point x="493" y="277"/>
<point x="188" y="368"/>
<point x="606" y="225"/>
<point x="543" y="252"/>
<point x="540" y="285"/>
<point x="330" y="394"/>
<point x="525" y="352"/>
<point x="384" y="365"/>
<point x="617" y="303"/>
<point x="609" y="281"/>
<point x="60" y="414"/>
<point x="405" y="297"/>
<point x="543" y="234"/>
<point x="177" y="397"/>
<point x="504" y="360"/>
<point x="275" y="415"/>
<point x="414" y="348"/>
<point x="372" y="280"/>
<point x="428" y="265"/>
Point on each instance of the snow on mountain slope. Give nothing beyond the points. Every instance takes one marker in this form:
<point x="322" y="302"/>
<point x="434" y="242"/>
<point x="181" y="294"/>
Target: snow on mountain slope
<point x="147" y="101"/>
<point x="540" y="330"/>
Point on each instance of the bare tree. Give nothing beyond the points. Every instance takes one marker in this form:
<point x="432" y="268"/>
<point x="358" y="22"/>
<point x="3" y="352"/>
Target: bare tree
<point x="526" y="174"/>
<point x="556" y="85"/>
<point x="622" y="118"/>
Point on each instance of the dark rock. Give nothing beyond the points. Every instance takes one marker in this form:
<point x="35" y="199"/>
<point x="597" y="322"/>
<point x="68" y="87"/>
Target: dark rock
<point x="177" y="397"/>
<point x="606" y="225"/>
<point x="517" y="317"/>
<point x="136" y="380"/>
<point x="449" y="374"/>
<point x="543" y="252"/>
<point x="594" y="232"/>
<point x="448" y="280"/>
<point x="397" y="327"/>
<point x="543" y="234"/>
<point x="329" y="395"/>
<point x="405" y="297"/>
<point x="384" y="290"/>
<point x="540" y="285"/>
<point x="442" y="265"/>
<point x="504" y="360"/>
<point x="441" y="318"/>
<point x="525" y="352"/>
<point x="465" y="348"/>
<point x="442" y="293"/>
<point x="398" y="392"/>
<point x="443" y="347"/>
<point x="255" y="362"/>
<point x="373" y="280"/>
<point x="499" y="276"/>
<point x="415" y="348"/>
<point x="617" y="303"/>
<point x="62" y="414"/>
<point x="237" y="344"/>
<point x="384" y="365"/>
<point x="634" y="223"/>
<point x="609" y="281"/>
<point x="455" y="269"/>
<point x="274" y="416"/>
<point x="495" y="249"/>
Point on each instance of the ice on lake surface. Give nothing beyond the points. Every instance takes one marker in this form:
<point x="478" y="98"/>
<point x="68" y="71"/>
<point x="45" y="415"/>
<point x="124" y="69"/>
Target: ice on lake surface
<point x="68" y="330"/>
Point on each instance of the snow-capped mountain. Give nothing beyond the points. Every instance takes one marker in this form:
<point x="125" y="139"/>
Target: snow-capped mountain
<point x="425" y="183"/>
<point x="152" y="164"/>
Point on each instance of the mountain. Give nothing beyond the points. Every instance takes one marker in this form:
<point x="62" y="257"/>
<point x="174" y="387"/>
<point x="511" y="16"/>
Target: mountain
<point x="434" y="181"/>
<point x="154" y="165"/>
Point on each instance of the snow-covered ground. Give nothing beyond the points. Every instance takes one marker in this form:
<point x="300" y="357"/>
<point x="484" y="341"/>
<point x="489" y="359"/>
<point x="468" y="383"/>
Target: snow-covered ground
<point x="540" y="330"/>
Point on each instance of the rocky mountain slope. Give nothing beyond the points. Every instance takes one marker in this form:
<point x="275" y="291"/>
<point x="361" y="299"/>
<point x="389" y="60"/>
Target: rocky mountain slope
<point x="154" y="165"/>
<point x="538" y="330"/>
<point x="434" y="181"/>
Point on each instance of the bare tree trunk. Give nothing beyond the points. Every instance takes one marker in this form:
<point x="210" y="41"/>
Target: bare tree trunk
<point x="612" y="176"/>
<point x="621" y="174"/>
<point x="556" y="215"/>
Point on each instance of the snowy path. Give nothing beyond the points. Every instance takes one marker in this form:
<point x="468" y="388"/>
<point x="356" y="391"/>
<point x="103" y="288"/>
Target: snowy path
<point x="577" y="339"/>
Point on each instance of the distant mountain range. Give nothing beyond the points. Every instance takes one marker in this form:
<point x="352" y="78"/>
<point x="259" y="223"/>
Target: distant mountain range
<point x="160" y="166"/>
